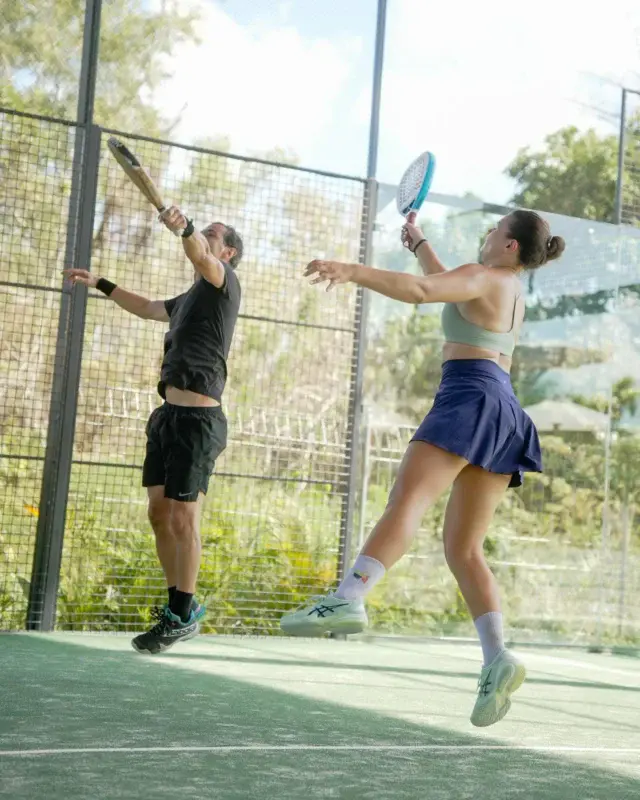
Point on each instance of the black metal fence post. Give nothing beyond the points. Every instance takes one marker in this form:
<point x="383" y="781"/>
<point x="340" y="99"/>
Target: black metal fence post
<point x="47" y="557"/>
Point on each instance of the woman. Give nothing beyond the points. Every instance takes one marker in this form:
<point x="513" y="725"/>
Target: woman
<point x="476" y="438"/>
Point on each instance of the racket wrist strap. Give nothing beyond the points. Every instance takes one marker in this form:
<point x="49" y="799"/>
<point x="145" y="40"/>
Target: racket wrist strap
<point x="415" y="249"/>
<point x="105" y="286"/>
<point x="189" y="229"/>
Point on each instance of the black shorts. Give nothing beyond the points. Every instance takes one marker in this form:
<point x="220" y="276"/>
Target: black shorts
<point x="182" y="447"/>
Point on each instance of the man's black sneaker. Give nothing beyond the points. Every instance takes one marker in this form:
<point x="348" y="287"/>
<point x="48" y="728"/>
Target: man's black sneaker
<point x="168" y="630"/>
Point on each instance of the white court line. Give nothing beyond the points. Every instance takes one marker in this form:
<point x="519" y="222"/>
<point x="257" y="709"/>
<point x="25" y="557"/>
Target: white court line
<point x="530" y="657"/>
<point x="283" y="748"/>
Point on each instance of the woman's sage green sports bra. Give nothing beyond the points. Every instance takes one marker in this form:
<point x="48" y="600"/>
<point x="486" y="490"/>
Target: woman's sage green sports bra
<point x="458" y="330"/>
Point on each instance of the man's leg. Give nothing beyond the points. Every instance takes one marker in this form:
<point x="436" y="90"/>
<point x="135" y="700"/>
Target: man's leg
<point x="159" y="511"/>
<point x="168" y="628"/>
<point x="176" y="526"/>
<point x="194" y="441"/>
<point x="159" y="507"/>
<point x="185" y="517"/>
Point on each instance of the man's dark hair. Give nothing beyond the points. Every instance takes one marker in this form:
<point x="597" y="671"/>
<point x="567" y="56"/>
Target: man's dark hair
<point x="233" y="239"/>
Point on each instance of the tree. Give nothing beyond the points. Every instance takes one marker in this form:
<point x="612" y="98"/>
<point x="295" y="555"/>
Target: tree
<point x="404" y="364"/>
<point x="574" y="174"/>
<point x="41" y="45"/>
<point x="624" y="400"/>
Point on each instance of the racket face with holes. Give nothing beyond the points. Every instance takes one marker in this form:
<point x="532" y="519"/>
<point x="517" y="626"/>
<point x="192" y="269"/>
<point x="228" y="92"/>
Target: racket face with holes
<point x="415" y="183"/>
<point x="135" y="172"/>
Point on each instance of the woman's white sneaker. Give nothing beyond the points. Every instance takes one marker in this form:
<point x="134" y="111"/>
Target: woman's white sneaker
<point x="498" y="681"/>
<point x="325" y="614"/>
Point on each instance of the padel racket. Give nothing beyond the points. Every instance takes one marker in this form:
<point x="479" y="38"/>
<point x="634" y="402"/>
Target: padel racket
<point x="137" y="174"/>
<point x="415" y="183"/>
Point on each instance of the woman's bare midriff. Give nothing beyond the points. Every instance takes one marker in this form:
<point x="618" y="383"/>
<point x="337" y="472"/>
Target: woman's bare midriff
<point x="183" y="397"/>
<point x="459" y="352"/>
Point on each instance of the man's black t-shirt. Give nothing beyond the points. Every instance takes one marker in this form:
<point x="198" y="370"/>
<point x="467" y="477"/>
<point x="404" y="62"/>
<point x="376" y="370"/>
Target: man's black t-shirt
<point x="196" y="346"/>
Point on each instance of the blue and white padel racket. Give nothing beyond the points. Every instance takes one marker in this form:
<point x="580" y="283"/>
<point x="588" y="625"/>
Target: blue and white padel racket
<point x="415" y="183"/>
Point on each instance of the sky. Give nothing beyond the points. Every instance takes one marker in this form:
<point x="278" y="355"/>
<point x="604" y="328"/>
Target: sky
<point x="472" y="82"/>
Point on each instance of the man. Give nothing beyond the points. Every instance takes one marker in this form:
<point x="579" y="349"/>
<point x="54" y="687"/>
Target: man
<point x="189" y="431"/>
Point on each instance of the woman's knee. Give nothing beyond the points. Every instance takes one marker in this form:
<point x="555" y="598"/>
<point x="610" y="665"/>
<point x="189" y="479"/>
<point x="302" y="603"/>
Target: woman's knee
<point x="462" y="556"/>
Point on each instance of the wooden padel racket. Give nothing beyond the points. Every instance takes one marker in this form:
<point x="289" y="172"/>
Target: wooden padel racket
<point x="137" y="174"/>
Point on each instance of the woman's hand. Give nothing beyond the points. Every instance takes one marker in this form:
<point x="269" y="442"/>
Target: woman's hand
<point x="411" y="234"/>
<point x="333" y="271"/>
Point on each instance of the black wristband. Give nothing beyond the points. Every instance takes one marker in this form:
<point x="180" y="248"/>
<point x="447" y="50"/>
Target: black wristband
<point x="414" y="251"/>
<point x="188" y="230"/>
<point x="105" y="286"/>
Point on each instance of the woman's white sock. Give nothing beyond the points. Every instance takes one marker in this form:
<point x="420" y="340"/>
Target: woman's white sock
<point x="489" y="627"/>
<point x="361" y="578"/>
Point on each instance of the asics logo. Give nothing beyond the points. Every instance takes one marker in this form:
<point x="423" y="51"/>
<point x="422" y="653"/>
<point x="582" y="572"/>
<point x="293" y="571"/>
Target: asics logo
<point x="323" y="611"/>
<point x="483" y="688"/>
<point x="179" y="631"/>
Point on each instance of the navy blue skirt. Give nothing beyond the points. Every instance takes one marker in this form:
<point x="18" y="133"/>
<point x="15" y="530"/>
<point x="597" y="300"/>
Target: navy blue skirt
<point x="477" y="416"/>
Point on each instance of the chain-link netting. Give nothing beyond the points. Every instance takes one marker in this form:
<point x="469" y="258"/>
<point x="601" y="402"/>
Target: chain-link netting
<point x="36" y="164"/>
<point x="274" y="520"/>
<point x="273" y="517"/>
<point x="630" y="178"/>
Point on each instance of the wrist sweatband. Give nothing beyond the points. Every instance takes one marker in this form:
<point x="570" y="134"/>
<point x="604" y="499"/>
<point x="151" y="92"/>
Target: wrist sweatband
<point x="105" y="286"/>
<point x="415" y="249"/>
<point x="188" y="230"/>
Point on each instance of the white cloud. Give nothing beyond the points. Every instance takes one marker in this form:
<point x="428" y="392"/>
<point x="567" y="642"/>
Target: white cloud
<point x="473" y="83"/>
<point x="263" y="87"/>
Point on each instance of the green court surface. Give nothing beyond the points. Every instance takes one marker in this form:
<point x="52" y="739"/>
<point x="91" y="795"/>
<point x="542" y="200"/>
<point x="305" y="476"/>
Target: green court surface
<point x="84" y="716"/>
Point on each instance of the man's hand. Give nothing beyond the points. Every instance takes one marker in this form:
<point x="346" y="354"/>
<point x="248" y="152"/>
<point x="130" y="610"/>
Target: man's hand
<point x="332" y="271"/>
<point x="173" y="219"/>
<point x="83" y="276"/>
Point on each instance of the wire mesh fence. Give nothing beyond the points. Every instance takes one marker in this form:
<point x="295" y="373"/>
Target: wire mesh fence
<point x="630" y="161"/>
<point x="274" y="523"/>
<point x="555" y="586"/>
<point x="36" y="170"/>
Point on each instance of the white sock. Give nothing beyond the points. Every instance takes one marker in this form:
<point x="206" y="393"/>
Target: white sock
<point x="361" y="578"/>
<point x="489" y="627"/>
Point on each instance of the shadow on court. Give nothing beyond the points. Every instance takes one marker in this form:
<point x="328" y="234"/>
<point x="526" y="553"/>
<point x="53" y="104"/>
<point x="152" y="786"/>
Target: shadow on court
<point x="411" y="671"/>
<point x="59" y="695"/>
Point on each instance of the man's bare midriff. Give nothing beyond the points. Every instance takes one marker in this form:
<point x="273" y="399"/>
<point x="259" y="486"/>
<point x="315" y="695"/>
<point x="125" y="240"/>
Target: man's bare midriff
<point x="458" y="352"/>
<point x="183" y="397"/>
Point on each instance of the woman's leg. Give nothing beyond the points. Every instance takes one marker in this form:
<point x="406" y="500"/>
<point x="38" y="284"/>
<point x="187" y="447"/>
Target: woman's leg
<point x="474" y="499"/>
<point x="425" y="473"/>
<point x="472" y="504"/>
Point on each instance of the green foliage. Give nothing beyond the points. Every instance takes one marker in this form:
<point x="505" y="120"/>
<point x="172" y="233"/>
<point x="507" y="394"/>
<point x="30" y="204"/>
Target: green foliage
<point x="404" y="363"/>
<point x="624" y="398"/>
<point x="574" y="174"/>
<point x="41" y="46"/>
